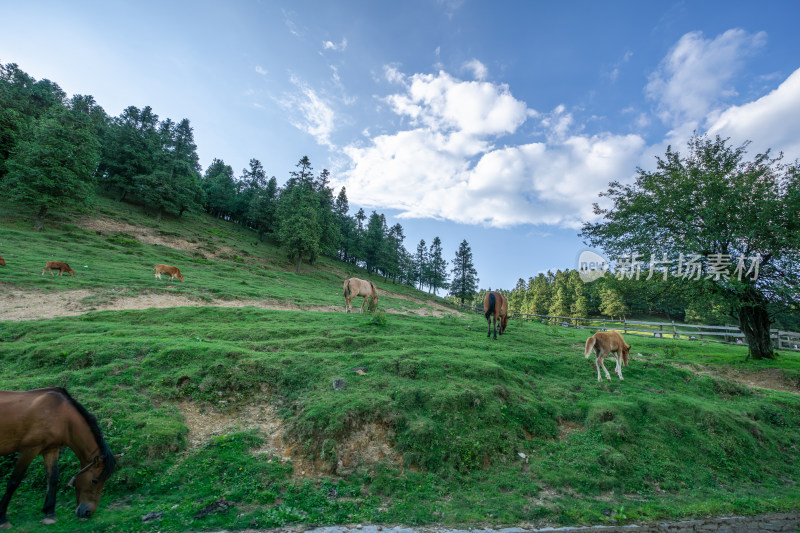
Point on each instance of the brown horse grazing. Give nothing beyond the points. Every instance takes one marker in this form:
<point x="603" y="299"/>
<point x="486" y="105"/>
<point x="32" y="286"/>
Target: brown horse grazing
<point x="495" y="306"/>
<point x="40" y="422"/>
<point x="604" y="343"/>
<point x="358" y="287"/>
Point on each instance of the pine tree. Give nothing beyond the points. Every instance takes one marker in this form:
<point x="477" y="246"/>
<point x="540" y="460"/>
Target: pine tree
<point x="465" y="277"/>
<point x="299" y="228"/>
<point x="421" y="265"/>
<point x="438" y="266"/>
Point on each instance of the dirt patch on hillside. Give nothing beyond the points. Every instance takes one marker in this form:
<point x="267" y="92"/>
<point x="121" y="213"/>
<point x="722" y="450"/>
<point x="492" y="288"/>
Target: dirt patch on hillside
<point x="152" y="236"/>
<point x="768" y="378"/>
<point x="141" y="234"/>
<point x="365" y="447"/>
<point x="434" y="308"/>
<point x="17" y="305"/>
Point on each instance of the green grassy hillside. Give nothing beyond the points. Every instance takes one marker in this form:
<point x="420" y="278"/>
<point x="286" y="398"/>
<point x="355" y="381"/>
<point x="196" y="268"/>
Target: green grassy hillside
<point x="313" y="417"/>
<point x="113" y="250"/>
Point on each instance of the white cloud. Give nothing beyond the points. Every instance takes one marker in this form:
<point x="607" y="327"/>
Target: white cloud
<point x="696" y="75"/>
<point x="614" y="74"/>
<point x="442" y="102"/>
<point x="329" y="45"/>
<point x="478" y="69"/>
<point x="392" y="74"/>
<point x="309" y="113"/>
<point x="288" y="17"/>
<point x="261" y="70"/>
<point x="772" y="121"/>
<point x="445" y="166"/>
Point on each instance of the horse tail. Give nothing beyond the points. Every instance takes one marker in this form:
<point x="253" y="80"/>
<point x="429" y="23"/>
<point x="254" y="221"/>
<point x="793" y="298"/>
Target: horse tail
<point x="589" y="345"/>
<point x="489" y="312"/>
<point x="346" y="287"/>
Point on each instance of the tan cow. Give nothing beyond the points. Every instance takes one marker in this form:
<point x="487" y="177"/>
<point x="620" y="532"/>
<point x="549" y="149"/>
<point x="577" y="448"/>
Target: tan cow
<point x="58" y="265"/>
<point x="604" y="343"/>
<point x="172" y="272"/>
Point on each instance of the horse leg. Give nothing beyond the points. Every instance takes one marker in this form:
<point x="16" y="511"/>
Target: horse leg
<point x="23" y="460"/>
<point x="618" y="369"/>
<point x="603" y="364"/>
<point x="494" y="326"/>
<point x="51" y="468"/>
<point x="363" y="303"/>
<point x="597" y="366"/>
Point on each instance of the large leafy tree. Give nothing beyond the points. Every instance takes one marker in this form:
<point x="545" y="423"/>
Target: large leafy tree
<point x="733" y="213"/>
<point x="465" y="277"/>
<point x="53" y="162"/>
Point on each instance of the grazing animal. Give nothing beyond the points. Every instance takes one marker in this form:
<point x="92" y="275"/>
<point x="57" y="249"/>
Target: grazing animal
<point x="58" y="265"/>
<point x="359" y="287"/>
<point x="2" y="261"/>
<point x="603" y="343"/>
<point x="40" y="422"/>
<point x="173" y="272"/>
<point x="495" y="307"/>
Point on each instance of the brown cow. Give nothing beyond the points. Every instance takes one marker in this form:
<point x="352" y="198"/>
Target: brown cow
<point x="173" y="272"/>
<point x="2" y="261"/>
<point x="60" y="266"/>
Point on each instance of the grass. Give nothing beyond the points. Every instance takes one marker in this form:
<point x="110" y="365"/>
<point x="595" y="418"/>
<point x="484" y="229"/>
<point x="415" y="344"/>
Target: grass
<point x="483" y="432"/>
<point x="665" y="443"/>
<point x="113" y="264"/>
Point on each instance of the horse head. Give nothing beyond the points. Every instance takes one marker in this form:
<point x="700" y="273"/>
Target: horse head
<point x="626" y="353"/>
<point x="89" y="483"/>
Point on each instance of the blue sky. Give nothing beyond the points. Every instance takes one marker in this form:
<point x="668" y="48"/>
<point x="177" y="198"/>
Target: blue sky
<point x="495" y="122"/>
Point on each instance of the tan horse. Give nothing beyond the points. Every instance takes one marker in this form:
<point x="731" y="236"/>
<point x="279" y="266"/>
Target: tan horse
<point x="358" y="287"/>
<point x="604" y="343"/>
<point x="495" y="306"/>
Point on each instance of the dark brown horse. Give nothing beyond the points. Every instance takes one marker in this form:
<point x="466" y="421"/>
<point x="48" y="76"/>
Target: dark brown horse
<point x="40" y="422"/>
<point x="495" y="306"/>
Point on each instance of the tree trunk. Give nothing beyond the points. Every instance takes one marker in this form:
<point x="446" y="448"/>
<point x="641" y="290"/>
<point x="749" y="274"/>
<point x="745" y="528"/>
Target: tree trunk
<point x="299" y="261"/>
<point x="754" y="323"/>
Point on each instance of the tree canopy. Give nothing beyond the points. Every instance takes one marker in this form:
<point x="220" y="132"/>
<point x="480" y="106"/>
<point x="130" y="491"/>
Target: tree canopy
<point x="735" y="221"/>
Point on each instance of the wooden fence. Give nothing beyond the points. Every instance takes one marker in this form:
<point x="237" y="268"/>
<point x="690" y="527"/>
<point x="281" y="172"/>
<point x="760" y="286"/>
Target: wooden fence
<point x="782" y="340"/>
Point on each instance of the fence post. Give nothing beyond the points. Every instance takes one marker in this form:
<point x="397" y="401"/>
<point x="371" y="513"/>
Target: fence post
<point x="674" y="330"/>
<point x="625" y="325"/>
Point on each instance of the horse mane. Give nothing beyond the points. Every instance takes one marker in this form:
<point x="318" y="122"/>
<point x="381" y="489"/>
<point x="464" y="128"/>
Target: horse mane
<point x="374" y="290"/>
<point x="109" y="460"/>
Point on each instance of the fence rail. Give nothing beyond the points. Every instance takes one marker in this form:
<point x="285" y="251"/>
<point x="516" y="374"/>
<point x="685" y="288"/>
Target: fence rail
<point x="782" y="340"/>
